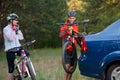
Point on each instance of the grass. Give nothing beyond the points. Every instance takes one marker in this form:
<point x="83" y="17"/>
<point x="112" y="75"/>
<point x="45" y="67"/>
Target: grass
<point x="47" y="63"/>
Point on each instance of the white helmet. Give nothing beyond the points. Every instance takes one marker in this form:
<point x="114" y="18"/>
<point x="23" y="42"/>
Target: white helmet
<point x="12" y="16"/>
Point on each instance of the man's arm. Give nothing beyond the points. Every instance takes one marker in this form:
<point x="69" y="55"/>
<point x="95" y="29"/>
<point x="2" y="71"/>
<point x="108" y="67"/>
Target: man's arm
<point x="63" y="32"/>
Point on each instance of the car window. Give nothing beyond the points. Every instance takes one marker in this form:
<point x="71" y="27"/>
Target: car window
<point x="114" y="28"/>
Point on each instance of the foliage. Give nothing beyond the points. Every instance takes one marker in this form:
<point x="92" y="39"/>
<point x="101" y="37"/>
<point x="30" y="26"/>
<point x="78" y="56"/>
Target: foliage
<point x="76" y="5"/>
<point x="38" y="18"/>
<point x="101" y="13"/>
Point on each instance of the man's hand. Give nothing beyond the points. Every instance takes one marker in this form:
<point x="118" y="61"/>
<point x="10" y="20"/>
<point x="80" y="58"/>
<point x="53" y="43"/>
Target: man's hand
<point x="70" y="29"/>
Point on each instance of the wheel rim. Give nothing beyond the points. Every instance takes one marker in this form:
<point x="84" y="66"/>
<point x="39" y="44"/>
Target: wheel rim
<point x="115" y="74"/>
<point x="64" y="61"/>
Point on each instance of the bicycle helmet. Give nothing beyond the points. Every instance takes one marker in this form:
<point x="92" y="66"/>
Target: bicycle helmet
<point x="71" y="14"/>
<point x="12" y="16"/>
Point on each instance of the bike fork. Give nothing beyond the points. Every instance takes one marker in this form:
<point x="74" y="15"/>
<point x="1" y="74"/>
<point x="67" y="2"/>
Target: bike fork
<point x="18" y="67"/>
<point x="27" y="71"/>
<point x="33" y="68"/>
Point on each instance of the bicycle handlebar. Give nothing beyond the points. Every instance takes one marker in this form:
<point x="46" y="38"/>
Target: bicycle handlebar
<point x="26" y="44"/>
<point x="78" y="23"/>
<point x="85" y="21"/>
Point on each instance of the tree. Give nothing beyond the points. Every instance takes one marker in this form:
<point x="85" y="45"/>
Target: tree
<point x="37" y="19"/>
<point x="101" y="13"/>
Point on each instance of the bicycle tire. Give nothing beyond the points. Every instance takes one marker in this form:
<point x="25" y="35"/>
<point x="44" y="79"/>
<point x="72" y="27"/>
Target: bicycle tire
<point x="74" y="53"/>
<point x="29" y="66"/>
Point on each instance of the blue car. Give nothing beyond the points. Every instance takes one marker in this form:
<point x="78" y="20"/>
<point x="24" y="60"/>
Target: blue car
<point x="102" y="59"/>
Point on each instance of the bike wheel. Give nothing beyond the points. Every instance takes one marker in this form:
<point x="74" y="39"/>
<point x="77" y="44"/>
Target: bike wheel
<point x="72" y="57"/>
<point x="30" y="67"/>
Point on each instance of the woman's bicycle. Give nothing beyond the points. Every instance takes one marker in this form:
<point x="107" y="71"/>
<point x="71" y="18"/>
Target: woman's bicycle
<point x="23" y="65"/>
<point x="70" y="48"/>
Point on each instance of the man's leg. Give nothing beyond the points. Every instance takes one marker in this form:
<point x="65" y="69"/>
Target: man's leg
<point x="65" y="75"/>
<point x="69" y="76"/>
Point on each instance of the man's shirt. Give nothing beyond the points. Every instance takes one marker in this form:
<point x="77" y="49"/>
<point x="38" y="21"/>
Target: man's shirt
<point x="64" y="33"/>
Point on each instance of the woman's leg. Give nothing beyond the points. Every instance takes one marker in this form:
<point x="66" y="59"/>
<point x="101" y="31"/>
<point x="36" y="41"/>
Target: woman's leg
<point x="10" y="76"/>
<point x="10" y="60"/>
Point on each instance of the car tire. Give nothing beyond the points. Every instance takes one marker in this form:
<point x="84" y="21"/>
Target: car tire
<point x="113" y="72"/>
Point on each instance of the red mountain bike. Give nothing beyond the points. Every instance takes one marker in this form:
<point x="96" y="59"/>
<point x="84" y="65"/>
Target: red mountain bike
<point x="23" y="65"/>
<point x="70" y="48"/>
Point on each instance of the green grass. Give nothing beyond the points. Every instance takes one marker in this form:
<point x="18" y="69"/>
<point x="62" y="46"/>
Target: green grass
<point x="47" y="63"/>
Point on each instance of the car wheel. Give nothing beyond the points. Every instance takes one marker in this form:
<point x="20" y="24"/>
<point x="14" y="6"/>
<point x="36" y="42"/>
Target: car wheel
<point x="113" y="72"/>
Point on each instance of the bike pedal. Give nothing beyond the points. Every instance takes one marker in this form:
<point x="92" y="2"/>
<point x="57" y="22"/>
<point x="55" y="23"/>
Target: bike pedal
<point x="26" y="75"/>
<point x="17" y="77"/>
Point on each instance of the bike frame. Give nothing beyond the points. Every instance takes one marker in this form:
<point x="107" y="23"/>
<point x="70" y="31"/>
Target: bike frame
<point x="81" y="41"/>
<point x="20" y="64"/>
<point x="72" y="36"/>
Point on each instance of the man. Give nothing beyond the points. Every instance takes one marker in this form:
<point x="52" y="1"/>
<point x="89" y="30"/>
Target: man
<point x="64" y="32"/>
<point x="12" y="34"/>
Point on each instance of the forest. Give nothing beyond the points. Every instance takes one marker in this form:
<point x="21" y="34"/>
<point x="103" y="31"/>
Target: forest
<point x="38" y="18"/>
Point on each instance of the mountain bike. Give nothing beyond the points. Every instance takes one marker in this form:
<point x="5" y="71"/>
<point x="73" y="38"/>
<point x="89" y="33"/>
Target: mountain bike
<point x="23" y="65"/>
<point x="70" y="48"/>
